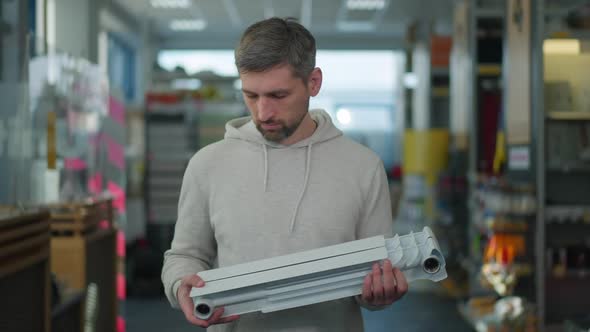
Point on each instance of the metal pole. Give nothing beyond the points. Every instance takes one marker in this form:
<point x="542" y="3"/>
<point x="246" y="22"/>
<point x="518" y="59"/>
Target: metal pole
<point x="538" y="119"/>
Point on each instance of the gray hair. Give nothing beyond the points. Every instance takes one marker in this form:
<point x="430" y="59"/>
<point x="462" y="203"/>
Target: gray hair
<point x="273" y="42"/>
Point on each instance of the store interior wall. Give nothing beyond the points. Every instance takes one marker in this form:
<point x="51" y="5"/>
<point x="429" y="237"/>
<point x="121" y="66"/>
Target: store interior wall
<point x="79" y="26"/>
<point x="72" y="27"/>
<point x="14" y="15"/>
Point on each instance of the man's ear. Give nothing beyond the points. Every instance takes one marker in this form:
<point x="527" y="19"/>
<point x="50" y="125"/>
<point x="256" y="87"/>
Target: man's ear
<point x="314" y="82"/>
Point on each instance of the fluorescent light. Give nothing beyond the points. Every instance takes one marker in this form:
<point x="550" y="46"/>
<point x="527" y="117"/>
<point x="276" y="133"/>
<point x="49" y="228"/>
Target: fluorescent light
<point x="365" y="4"/>
<point x="188" y="25"/>
<point x="356" y="26"/>
<point x="171" y="4"/>
<point x="410" y="80"/>
<point x="561" y="46"/>
<point x="343" y="116"/>
<point x="51" y="25"/>
<point x="186" y="84"/>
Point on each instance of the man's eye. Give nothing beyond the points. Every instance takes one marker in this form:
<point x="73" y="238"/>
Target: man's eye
<point x="279" y="96"/>
<point x="251" y="96"/>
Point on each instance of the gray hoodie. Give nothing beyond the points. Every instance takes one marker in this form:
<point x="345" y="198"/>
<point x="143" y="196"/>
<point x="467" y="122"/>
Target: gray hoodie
<point x="245" y="198"/>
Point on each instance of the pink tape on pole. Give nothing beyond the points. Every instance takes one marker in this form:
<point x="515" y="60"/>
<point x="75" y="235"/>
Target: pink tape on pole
<point x="117" y="111"/>
<point x="94" y="140"/>
<point x="95" y="183"/>
<point x="121" y="289"/>
<point x="75" y="164"/>
<point x="104" y="224"/>
<point x="120" y="244"/>
<point x="119" y="196"/>
<point x="120" y="324"/>
<point x="116" y="153"/>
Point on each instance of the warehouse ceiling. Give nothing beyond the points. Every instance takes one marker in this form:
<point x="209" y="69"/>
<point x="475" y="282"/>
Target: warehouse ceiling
<point x="211" y="24"/>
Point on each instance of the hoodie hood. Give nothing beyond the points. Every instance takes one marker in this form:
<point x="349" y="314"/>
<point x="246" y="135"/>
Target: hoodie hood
<point x="245" y="129"/>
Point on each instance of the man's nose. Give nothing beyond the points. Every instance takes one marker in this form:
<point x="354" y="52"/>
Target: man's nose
<point x="265" y="109"/>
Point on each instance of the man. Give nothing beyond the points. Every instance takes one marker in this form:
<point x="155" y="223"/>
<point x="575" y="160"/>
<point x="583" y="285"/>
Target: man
<point x="281" y="181"/>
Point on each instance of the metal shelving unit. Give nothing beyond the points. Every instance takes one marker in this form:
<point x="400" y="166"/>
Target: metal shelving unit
<point x="170" y="142"/>
<point x="563" y="219"/>
<point x="489" y="72"/>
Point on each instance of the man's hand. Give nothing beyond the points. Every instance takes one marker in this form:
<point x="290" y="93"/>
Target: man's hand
<point x="187" y="306"/>
<point x="381" y="289"/>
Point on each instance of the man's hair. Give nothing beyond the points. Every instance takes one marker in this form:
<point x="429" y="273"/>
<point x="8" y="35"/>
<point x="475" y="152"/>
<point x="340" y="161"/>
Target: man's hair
<point x="276" y="41"/>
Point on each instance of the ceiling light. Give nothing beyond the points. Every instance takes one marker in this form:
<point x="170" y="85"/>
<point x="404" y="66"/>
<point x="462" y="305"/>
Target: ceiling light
<point x="365" y="4"/>
<point x="171" y="4"/>
<point x="188" y="25"/>
<point x="186" y="84"/>
<point x="344" y="117"/>
<point x="410" y="80"/>
<point x="562" y="46"/>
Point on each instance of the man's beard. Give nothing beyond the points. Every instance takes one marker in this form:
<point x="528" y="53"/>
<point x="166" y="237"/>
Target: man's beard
<point x="280" y="134"/>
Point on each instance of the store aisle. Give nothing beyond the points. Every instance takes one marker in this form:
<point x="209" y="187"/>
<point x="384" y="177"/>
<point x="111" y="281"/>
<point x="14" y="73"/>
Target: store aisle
<point x="417" y="312"/>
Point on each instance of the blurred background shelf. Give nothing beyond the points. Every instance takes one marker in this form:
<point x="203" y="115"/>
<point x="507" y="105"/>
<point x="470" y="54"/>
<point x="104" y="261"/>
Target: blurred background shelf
<point x="489" y="69"/>
<point x="569" y="116"/>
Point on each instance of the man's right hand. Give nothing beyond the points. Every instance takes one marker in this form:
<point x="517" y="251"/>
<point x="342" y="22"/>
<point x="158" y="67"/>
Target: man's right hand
<point x="187" y="306"/>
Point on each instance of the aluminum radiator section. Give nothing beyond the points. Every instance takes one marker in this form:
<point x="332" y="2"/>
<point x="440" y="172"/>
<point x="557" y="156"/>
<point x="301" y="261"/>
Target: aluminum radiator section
<point x="315" y="276"/>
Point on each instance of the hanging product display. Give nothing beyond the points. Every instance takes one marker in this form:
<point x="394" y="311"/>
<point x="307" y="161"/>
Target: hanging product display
<point x="315" y="276"/>
<point x="69" y="100"/>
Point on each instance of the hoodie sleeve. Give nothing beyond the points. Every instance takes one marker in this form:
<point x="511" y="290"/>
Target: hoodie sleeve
<point x="376" y="217"/>
<point x="193" y="247"/>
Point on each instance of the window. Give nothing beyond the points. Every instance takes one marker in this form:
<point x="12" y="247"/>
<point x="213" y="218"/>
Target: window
<point x="121" y="67"/>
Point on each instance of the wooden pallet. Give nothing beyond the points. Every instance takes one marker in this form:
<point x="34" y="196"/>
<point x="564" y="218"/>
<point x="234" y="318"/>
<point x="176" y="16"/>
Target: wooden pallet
<point x="24" y="240"/>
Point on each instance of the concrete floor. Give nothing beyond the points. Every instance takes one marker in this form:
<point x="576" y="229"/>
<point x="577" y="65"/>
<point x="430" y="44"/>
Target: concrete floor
<point x="416" y="312"/>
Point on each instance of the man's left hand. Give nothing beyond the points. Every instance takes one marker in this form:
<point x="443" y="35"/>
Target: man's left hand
<point x="382" y="288"/>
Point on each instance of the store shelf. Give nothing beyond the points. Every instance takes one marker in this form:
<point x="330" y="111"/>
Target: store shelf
<point x="524" y="270"/>
<point x="169" y="147"/>
<point x="505" y="227"/>
<point x="575" y="226"/>
<point x="569" y="169"/>
<point x="567" y="214"/>
<point x="569" y="116"/>
<point x="440" y="92"/>
<point x="572" y="276"/>
<point x="440" y="71"/>
<point x="566" y="33"/>
<point x="489" y="69"/>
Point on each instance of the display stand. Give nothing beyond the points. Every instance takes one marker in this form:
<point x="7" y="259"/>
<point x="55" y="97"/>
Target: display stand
<point x="24" y="271"/>
<point x="83" y="245"/>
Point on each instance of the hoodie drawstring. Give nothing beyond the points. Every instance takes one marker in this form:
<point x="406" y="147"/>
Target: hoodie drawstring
<point x="265" y="166"/>
<point x="305" y="180"/>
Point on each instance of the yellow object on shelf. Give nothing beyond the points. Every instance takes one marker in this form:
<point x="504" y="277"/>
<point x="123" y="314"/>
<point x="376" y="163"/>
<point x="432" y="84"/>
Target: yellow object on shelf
<point x="426" y="152"/>
<point x="500" y="153"/>
<point x="425" y="156"/>
<point x="489" y="69"/>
